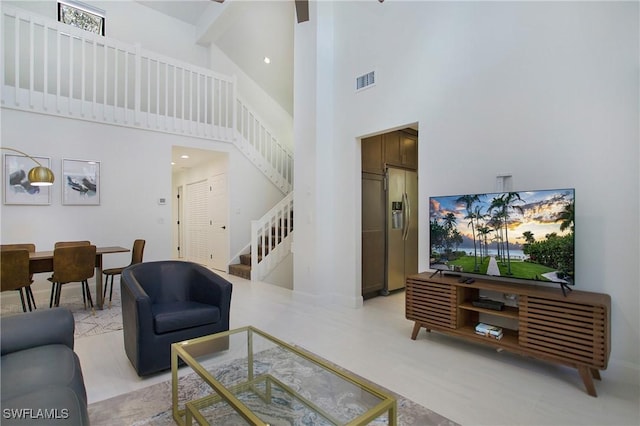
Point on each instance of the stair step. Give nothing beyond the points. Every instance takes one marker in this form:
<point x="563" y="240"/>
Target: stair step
<point x="243" y="269"/>
<point x="245" y="259"/>
<point x="240" y="270"/>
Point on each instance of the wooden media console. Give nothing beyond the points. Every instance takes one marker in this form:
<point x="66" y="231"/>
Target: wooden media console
<point x="573" y="330"/>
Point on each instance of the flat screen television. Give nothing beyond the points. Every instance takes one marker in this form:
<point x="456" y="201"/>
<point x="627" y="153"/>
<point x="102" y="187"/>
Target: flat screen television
<point x="527" y="235"/>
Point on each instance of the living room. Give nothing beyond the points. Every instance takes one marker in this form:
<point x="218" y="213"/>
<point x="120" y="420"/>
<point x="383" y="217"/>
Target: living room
<point x="546" y="92"/>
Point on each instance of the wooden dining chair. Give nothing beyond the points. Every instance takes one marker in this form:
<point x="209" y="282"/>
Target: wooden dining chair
<point x="14" y="273"/>
<point x="71" y="244"/>
<point x="59" y="244"/>
<point x="136" y="257"/>
<point x="74" y="263"/>
<point x="31" y="301"/>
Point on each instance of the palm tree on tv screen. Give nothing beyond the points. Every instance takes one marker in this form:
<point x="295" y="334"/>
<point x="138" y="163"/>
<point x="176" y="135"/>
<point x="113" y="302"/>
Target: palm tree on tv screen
<point x="504" y="203"/>
<point x="449" y="222"/>
<point x="567" y="217"/>
<point x="469" y="201"/>
<point x="483" y="232"/>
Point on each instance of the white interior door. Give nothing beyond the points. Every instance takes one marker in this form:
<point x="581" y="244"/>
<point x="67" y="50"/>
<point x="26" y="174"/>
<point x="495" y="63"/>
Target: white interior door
<point x="197" y="222"/>
<point x="179" y="222"/>
<point x="219" y="207"/>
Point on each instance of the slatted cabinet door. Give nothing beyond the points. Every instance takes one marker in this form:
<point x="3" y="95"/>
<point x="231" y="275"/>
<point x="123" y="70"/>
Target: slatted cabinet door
<point x="564" y="330"/>
<point x="431" y="304"/>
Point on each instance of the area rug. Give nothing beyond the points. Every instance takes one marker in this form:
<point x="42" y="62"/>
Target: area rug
<point x="88" y="322"/>
<point x="151" y="406"/>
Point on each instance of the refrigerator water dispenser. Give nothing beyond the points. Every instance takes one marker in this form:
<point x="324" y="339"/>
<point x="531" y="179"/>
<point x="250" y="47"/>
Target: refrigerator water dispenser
<point x="397" y="218"/>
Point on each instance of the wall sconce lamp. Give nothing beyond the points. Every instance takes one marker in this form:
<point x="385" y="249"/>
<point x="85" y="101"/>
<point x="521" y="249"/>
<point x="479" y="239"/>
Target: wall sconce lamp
<point x="38" y="176"/>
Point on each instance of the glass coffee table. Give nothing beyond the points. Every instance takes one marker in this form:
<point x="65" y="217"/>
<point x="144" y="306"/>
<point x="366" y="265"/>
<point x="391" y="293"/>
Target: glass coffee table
<point x="246" y="376"/>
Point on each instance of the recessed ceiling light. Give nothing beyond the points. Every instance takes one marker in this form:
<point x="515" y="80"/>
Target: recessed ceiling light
<point x="173" y="163"/>
<point x="267" y="60"/>
<point x="185" y="156"/>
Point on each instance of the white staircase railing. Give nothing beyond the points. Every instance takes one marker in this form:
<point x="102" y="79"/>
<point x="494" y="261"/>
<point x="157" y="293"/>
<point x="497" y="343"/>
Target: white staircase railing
<point x="271" y="238"/>
<point x="57" y="69"/>
<point x="259" y="144"/>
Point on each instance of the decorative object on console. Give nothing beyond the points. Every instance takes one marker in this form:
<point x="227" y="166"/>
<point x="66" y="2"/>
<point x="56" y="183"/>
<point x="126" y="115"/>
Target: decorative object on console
<point x="511" y="298"/>
<point x="489" y="330"/>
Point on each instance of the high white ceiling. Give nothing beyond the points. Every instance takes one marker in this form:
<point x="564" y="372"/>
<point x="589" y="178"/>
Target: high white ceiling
<point x="246" y="31"/>
<point x="187" y="11"/>
<point x="184" y="158"/>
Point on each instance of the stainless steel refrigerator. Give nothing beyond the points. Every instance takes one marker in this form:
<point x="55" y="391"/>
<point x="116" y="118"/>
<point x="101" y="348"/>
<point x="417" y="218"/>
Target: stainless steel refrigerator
<point x="402" y="227"/>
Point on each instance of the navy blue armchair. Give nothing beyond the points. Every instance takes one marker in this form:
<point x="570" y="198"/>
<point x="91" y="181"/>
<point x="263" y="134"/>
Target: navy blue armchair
<point x="166" y="302"/>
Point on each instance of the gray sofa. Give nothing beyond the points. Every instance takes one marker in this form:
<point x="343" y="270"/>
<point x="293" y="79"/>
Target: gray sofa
<point x="42" y="381"/>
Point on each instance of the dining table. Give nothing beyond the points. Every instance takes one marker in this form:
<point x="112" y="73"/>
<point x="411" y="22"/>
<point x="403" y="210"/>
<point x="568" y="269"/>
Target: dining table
<point x="42" y="261"/>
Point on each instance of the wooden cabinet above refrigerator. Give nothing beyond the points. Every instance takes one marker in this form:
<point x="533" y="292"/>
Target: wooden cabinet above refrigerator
<point x="398" y="148"/>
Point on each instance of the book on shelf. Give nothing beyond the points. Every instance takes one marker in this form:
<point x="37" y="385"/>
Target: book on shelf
<point x="491" y="336"/>
<point x="489" y="330"/>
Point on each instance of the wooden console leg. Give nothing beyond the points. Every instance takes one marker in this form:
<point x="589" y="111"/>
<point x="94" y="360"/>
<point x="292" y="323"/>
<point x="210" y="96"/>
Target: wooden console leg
<point x="595" y="373"/>
<point x="416" y="329"/>
<point x="585" y="373"/>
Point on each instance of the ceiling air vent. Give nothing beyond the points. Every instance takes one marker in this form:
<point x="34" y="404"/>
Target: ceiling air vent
<point x="366" y="80"/>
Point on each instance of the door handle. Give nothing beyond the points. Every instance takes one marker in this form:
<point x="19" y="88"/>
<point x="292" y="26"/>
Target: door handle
<point x="406" y="214"/>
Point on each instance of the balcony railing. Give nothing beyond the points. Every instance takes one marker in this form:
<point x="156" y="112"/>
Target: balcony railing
<point x="52" y="68"/>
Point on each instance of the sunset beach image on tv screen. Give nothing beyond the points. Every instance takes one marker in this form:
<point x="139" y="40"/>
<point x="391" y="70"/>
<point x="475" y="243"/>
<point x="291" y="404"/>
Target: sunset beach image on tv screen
<point x="525" y="235"/>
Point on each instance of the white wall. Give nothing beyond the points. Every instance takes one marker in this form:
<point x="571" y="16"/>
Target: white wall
<point x="136" y="171"/>
<point x="547" y="91"/>
<point x="278" y="121"/>
<point x="131" y="22"/>
<point x="307" y="275"/>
